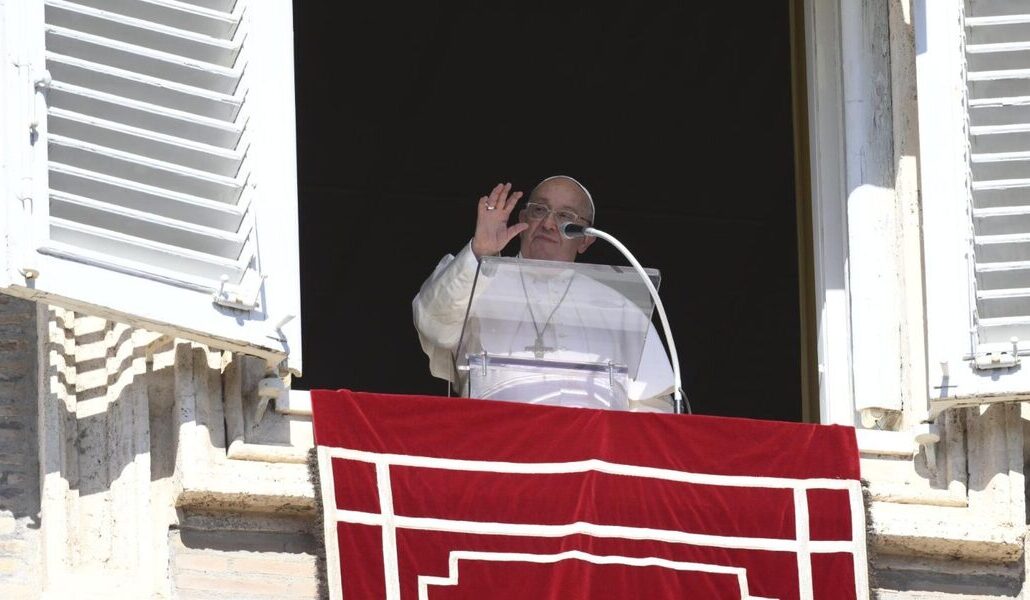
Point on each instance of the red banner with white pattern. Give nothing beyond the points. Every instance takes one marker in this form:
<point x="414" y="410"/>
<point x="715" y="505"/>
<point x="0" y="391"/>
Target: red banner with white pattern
<point x="449" y="498"/>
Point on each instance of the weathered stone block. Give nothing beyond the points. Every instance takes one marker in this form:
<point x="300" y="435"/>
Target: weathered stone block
<point x="229" y="587"/>
<point x="12" y="345"/>
<point x="10" y="591"/>
<point x="11" y="438"/>
<point x="202" y="562"/>
<point x="274" y="565"/>
<point x="13" y="548"/>
<point x="13" y="479"/>
<point x="9" y="566"/>
<point x="20" y="410"/>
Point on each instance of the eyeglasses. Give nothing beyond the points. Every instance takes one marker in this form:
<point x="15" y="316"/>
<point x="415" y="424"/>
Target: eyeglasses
<point x="536" y="211"/>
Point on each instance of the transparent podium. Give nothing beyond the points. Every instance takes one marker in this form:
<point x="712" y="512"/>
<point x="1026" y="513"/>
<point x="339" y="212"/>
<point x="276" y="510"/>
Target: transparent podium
<point x="555" y="333"/>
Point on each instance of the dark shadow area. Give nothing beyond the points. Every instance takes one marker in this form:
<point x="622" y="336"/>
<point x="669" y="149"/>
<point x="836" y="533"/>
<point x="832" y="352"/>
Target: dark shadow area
<point x="676" y="115"/>
<point x="110" y="433"/>
<point x="939" y="577"/>
<point x="236" y="540"/>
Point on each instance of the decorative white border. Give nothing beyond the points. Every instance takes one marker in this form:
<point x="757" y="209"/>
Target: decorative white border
<point x="593" y="464"/>
<point x="424" y="581"/>
<point x="804" y="549"/>
<point x="390" y="522"/>
<point x="329" y="526"/>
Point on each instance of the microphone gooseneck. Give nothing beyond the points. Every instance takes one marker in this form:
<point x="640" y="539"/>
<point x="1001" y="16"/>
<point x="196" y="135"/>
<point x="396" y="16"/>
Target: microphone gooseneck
<point x="680" y="402"/>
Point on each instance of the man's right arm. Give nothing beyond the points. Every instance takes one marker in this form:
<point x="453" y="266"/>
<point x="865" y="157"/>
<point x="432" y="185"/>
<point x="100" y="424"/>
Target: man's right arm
<point x="442" y="301"/>
<point x="439" y="309"/>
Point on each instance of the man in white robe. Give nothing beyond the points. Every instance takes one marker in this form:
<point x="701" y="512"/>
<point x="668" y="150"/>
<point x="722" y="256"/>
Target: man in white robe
<point x="439" y="308"/>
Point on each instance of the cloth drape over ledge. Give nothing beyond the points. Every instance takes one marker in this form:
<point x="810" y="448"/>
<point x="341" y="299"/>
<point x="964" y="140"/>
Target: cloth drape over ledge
<point x="448" y="498"/>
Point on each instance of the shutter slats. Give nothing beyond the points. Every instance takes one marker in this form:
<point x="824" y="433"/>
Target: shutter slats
<point x="1004" y="303"/>
<point x="1004" y="221"/>
<point x="987" y="197"/>
<point x="145" y="143"/>
<point x="143" y="87"/>
<point x="150" y="117"/>
<point x="998" y="80"/>
<point x="1000" y="112"/>
<point x="1001" y="249"/>
<point x="199" y="238"/>
<point x="142" y="33"/>
<point x="996" y="7"/>
<point x="147" y="198"/>
<point x="995" y="166"/>
<point x="100" y="160"/>
<point x="119" y="247"/>
<point x="998" y="29"/>
<point x="1018" y="185"/>
<point x="1002" y="329"/>
<point x="145" y="61"/>
<point x="220" y="5"/>
<point x="1001" y="274"/>
<point x="999" y="139"/>
<point x="124" y="265"/>
<point x="999" y="84"/>
<point x="178" y="15"/>
<point x="993" y="57"/>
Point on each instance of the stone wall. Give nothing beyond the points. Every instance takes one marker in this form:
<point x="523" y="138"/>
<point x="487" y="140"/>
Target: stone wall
<point x="19" y="464"/>
<point x="248" y="558"/>
<point x="137" y="465"/>
<point x="953" y="527"/>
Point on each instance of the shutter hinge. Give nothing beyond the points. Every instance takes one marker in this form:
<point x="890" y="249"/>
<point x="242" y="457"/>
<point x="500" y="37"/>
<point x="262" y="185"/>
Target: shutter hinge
<point x="243" y="296"/>
<point x="269" y="388"/>
<point x="41" y="80"/>
<point x="276" y="387"/>
<point x="998" y="359"/>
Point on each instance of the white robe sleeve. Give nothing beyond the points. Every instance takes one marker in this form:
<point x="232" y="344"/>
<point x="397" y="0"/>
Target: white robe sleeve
<point x="439" y="309"/>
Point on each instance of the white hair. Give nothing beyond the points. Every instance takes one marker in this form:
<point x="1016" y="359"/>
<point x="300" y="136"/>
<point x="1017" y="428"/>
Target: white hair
<point x="586" y="192"/>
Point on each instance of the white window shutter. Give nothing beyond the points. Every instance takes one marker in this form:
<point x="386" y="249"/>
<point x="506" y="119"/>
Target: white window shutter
<point x="974" y="113"/>
<point x="158" y="183"/>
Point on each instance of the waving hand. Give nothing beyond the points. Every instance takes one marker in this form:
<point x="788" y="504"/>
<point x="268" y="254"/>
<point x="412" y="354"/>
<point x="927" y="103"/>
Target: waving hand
<point x="492" y="230"/>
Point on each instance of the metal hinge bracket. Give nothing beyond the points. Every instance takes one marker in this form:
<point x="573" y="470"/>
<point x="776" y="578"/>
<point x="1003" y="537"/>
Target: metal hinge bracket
<point x="998" y="359"/>
<point x="275" y="386"/>
<point x="995" y="360"/>
<point x="243" y="296"/>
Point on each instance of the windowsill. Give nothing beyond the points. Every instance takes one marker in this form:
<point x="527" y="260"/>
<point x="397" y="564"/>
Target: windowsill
<point x="296" y="402"/>
<point x="889" y="443"/>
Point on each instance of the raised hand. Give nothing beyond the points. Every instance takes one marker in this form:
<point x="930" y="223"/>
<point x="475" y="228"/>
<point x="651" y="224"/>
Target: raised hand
<point x="492" y="231"/>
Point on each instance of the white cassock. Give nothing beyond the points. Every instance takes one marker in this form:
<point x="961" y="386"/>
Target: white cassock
<point x="439" y="312"/>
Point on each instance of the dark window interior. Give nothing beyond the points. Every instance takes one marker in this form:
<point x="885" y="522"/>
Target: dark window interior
<point x="676" y="115"/>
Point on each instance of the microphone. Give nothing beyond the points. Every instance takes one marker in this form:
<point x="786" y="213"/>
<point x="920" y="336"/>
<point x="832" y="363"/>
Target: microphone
<point x="571" y="231"/>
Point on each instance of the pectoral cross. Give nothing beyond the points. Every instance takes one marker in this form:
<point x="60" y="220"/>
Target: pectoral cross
<point x="538" y="348"/>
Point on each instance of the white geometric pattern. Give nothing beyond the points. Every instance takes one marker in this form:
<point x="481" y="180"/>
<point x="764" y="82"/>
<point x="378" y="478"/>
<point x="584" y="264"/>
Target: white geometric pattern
<point x="390" y="522"/>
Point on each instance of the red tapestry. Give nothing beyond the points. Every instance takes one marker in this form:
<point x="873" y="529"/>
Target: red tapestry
<point x="448" y="498"/>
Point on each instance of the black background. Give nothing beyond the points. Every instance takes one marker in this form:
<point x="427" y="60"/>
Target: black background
<point x="676" y="115"/>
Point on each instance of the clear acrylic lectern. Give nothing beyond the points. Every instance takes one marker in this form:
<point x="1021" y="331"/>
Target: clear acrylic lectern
<point x="557" y="333"/>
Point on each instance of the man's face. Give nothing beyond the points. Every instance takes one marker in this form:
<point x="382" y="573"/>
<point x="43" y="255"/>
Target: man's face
<point x="543" y="240"/>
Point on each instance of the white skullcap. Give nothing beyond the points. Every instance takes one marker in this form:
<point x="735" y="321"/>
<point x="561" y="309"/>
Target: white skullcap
<point x="586" y="192"/>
